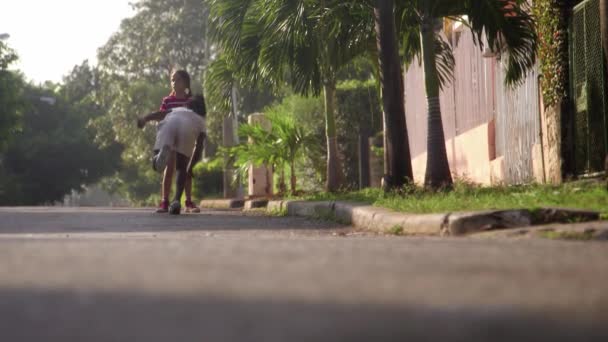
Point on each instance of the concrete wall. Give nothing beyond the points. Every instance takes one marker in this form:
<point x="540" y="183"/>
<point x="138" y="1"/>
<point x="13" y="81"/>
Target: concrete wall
<point x="468" y="156"/>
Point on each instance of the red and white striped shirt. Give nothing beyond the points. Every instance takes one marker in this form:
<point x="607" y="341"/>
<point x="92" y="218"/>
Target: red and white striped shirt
<point x="171" y="101"/>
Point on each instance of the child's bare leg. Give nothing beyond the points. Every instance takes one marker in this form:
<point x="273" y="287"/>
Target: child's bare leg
<point x="168" y="177"/>
<point x="180" y="183"/>
<point x="188" y="188"/>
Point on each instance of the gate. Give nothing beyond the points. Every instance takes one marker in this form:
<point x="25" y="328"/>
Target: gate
<point x="588" y="88"/>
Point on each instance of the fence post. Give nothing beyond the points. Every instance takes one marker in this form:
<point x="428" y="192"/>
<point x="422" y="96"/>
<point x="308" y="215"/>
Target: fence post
<point x="232" y="186"/>
<point x="376" y="162"/>
<point x="260" y="177"/>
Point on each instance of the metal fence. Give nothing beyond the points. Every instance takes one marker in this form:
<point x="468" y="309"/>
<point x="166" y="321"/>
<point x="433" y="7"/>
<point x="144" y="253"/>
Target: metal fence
<point x="517" y="125"/>
<point x="466" y="102"/>
<point x="588" y="88"/>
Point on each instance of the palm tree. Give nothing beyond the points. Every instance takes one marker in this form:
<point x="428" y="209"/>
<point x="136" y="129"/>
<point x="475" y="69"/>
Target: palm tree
<point x="397" y="160"/>
<point x="604" y="27"/>
<point x="274" y="41"/>
<point x="502" y="23"/>
<point x="499" y="22"/>
<point x="258" y="148"/>
<point x="277" y="148"/>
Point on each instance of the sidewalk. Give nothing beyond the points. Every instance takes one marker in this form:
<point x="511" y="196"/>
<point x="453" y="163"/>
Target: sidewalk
<point x="557" y="223"/>
<point x="383" y="220"/>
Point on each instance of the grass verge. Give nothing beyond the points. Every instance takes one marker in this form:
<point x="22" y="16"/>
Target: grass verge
<point x="276" y="212"/>
<point x="588" y="195"/>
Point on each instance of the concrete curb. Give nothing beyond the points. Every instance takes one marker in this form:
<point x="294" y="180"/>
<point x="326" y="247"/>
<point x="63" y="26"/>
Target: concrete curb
<point x="256" y="204"/>
<point x="595" y="230"/>
<point x="362" y="216"/>
<point x="383" y="220"/>
<point x="473" y="222"/>
<point x="233" y="203"/>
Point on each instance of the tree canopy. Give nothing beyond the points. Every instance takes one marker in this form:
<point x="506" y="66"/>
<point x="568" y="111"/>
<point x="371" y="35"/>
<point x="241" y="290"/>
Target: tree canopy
<point x="11" y="104"/>
<point x="54" y="152"/>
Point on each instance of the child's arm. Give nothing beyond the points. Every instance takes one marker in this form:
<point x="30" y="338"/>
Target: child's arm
<point x="197" y="154"/>
<point x="156" y="116"/>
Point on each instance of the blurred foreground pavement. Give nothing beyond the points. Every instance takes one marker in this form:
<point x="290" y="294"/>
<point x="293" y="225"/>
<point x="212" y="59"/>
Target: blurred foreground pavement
<point x="74" y="274"/>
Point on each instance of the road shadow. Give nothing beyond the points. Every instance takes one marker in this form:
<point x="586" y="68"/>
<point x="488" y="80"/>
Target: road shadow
<point x="87" y="220"/>
<point x="34" y="315"/>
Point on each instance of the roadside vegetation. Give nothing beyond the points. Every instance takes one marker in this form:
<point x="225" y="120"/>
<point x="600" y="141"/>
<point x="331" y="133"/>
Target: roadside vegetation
<point x="589" y="195"/>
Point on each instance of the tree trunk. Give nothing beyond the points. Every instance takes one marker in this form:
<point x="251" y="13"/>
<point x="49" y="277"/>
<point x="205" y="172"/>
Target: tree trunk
<point x="364" y="157"/>
<point x="269" y="189"/>
<point x="438" y="173"/>
<point x="604" y="27"/>
<point x="604" y="32"/>
<point x="334" y="170"/>
<point x="398" y="163"/>
<point x="229" y="180"/>
<point x="292" y="166"/>
<point x="282" y="185"/>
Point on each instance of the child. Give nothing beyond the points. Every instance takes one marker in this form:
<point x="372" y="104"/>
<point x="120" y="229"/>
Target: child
<point x="181" y="133"/>
<point x="180" y="85"/>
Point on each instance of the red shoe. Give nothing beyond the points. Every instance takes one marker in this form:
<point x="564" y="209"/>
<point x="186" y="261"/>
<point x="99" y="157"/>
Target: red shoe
<point x="191" y="208"/>
<point x="163" y="207"/>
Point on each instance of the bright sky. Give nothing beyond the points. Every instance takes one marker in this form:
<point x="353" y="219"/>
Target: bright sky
<point x="52" y="36"/>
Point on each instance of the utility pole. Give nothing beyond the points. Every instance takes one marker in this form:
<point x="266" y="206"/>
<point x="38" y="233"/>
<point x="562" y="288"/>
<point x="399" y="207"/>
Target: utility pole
<point x="232" y="182"/>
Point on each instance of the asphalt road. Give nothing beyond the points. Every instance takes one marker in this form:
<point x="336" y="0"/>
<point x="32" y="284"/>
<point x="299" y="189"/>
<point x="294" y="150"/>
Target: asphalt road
<point x="131" y="275"/>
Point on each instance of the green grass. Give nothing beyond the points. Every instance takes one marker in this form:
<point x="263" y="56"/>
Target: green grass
<point x="277" y="212"/>
<point x="395" y="230"/>
<point x="590" y="195"/>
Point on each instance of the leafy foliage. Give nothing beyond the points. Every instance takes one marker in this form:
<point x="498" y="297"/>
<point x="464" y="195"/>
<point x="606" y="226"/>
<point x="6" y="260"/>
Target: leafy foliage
<point x="221" y="80"/>
<point x="504" y="25"/>
<point x="162" y="36"/>
<point x="303" y="43"/>
<point x="278" y="146"/>
<point x="11" y="103"/>
<point x="208" y="178"/>
<point x="135" y="180"/>
<point x="133" y="75"/>
<point x="54" y="152"/>
<point x="359" y="113"/>
<point x="552" y="49"/>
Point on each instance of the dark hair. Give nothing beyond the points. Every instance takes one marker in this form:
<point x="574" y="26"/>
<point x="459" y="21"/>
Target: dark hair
<point x="197" y="104"/>
<point x="184" y="75"/>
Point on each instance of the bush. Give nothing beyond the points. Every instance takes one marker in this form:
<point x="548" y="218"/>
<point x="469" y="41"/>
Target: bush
<point x="358" y="113"/>
<point x="207" y="180"/>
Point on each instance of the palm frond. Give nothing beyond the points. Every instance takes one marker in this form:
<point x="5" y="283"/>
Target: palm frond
<point x="226" y="20"/>
<point x="505" y="24"/>
<point x="221" y="79"/>
<point x="445" y="61"/>
<point x="266" y="40"/>
<point x="412" y="50"/>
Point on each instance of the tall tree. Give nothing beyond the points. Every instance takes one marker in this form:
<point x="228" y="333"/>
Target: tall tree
<point x="279" y="40"/>
<point x="604" y="27"/>
<point x="437" y="167"/>
<point x="161" y="36"/>
<point x="397" y="160"/>
<point x="54" y="152"/>
<point x="11" y="102"/>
